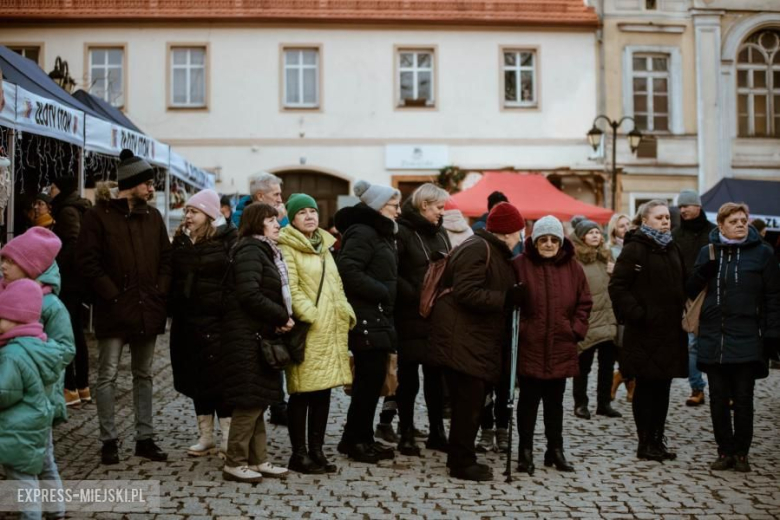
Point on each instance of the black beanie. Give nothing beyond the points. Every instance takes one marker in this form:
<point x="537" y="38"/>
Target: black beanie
<point x="494" y="198"/>
<point x="133" y="171"/>
<point x="66" y="185"/>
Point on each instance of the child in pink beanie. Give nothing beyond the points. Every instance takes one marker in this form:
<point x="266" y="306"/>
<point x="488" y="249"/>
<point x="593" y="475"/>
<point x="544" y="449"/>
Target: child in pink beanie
<point x="29" y="364"/>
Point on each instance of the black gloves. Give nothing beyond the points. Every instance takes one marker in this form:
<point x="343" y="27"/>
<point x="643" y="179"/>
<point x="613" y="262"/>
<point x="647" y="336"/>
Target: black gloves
<point x="772" y="348"/>
<point x="514" y="296"/>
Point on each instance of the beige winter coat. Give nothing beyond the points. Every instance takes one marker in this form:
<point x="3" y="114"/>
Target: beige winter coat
<point x="602" y="322"/>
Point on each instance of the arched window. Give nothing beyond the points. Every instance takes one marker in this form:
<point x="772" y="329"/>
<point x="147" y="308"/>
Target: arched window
<point x="758" y="85"/>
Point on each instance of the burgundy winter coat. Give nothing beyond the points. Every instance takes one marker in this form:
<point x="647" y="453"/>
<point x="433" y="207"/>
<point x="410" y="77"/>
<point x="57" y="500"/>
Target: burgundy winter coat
<point x="554" y="317"/>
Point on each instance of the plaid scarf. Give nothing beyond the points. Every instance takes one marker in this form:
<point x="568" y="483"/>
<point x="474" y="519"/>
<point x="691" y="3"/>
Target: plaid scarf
<point x="282" y="268"/>
<point x="660" y="238"/>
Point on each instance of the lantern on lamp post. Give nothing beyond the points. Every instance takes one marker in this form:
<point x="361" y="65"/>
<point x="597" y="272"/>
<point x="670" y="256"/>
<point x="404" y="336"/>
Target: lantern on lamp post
<point x="595" y="136"/>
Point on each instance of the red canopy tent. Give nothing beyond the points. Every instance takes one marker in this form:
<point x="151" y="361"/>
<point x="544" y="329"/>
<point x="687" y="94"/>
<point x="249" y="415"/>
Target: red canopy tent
<point x="532" y="194"/>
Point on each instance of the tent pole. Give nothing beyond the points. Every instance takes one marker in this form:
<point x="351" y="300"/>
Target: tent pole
<point x="9" y="222"/>
<point x="168" y="200"/>
<point x="81" y="175"/>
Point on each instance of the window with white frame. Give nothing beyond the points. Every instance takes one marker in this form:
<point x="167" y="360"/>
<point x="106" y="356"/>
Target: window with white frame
<point x="29" y="52"/>
<point x="650" y="79"/>
<point x="416" y="76"/>
<point x="301" y="78"/>
<point x="519" y="78"/>
<point x="188" y="77"/>
<point x="106" y="74"/>
<point x="758" y="85"/>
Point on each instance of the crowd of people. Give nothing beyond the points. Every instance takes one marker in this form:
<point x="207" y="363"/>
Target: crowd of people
<point x="270" y="310"/>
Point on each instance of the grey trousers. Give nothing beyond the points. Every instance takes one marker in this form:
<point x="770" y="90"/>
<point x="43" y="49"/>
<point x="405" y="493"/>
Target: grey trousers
<point x="141" y="357"/>
<point x="246" y="440"/>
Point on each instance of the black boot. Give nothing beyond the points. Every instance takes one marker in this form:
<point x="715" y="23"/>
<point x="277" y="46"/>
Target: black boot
<point x="555" y="457"/>
<point x="525" y="461"/>
<point x="647" y="448"/>
<point x="300" y="461"/>
<point x="363" y="453"/>
<point x="109" y="453"/>
<point x="607" y="410"/>
<point x="660" y="443"/>
<point x="318" y="422"/>
<point x="581" y="411"/>
<point x="407" y="445"/>
<point x="437" y="439"/>
<point x="149" y="450"/>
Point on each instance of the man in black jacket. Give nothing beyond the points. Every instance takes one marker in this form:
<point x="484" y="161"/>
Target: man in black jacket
<point x="125" y="259"/>
<point x="67" y="209"/>
<point x="691" y="236"/>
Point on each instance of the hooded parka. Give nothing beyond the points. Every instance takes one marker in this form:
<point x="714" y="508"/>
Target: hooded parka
<point x="368" y="265"/>
<point x="457" y="227"/>
<point x="326" y="356"/>
<point x="554" y="315"/>
<point x="125" y="258"/>
<point x="28" y="366"/>
<point x="419" y="242"/>
<point x="742" y="306"/>
<point x="690" y="236"/>
<point x="254" y="308"/>
<point x="196" y="307"/>
<point x="470" y="324"/>
<point x="602" y="325"/>
<point x="68" y="210"/>
<point x="648" y="296"/>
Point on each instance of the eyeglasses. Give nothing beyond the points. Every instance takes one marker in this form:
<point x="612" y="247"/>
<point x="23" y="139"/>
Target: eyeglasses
<point x="396" y="206"/>
<point x="548" y="238"/>
<point x="149" y="184"/>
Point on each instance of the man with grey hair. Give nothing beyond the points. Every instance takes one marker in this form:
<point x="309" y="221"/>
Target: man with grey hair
<point x="266" y="188"/>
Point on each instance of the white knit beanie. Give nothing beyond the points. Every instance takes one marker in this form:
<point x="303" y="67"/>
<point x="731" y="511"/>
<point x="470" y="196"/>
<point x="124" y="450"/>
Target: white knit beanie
<point x="375" y="196"/>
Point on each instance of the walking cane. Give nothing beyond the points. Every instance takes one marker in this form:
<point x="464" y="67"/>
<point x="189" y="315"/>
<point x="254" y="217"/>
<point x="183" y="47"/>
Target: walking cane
<point x="510" y="403"/>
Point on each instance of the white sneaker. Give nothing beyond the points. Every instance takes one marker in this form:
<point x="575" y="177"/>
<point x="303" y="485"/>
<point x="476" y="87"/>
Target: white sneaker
<point x="241" y="474"/>
<point x="269" y="470"/>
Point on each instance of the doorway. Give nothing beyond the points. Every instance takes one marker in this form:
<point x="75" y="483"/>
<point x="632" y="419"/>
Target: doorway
<point x="324" y="188"/>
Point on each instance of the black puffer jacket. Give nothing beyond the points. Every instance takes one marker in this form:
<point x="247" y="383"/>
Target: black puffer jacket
<point x="67" y="211"/>
<point x="742" y="306"/>
<point x="253" y="309"/>
<point x="470" y="324"/>
<point x="418" y="241"/>
<point x="648" y="296"/>
<point x="125" y="258"/>
<point x="196" y="307"/>
<point x="368" y="265"/>
<point x="690" y="236"/>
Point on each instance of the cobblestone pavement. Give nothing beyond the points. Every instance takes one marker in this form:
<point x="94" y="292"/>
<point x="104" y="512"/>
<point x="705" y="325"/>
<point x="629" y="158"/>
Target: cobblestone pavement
<point x="609" y="481"/>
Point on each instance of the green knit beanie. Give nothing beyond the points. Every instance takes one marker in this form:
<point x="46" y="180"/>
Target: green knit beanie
<point x="299" y="201"/>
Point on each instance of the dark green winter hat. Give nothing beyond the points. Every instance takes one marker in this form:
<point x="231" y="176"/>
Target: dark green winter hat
<point x="299" y="201"/>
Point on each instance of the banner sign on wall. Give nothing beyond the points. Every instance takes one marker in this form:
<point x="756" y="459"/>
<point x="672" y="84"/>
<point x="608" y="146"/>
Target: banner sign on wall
<point x="111" y="139"/>
<point x="42" y="116"/>
<point x="8" y="113"/>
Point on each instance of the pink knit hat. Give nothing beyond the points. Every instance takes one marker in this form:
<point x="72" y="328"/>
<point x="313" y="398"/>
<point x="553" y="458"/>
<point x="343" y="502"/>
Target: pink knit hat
<point x="21" y="301"/>
<point x="34" y="251"/>
<point x="206" y="201"/>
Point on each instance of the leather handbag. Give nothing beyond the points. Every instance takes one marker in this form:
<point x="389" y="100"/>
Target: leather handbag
<point x="692" y="313"/>
<point x="390" y="384"/>
<point x="296" y="338"/>
<point x="275" y="352"/>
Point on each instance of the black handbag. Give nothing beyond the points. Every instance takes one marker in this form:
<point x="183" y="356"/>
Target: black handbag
<point x="275" y="352"/>
<point x="296" y="338"/>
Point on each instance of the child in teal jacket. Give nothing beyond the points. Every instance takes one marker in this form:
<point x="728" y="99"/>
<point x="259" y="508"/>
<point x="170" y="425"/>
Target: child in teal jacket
<point x="31" y="255"/>
<point x="29" y="362"/>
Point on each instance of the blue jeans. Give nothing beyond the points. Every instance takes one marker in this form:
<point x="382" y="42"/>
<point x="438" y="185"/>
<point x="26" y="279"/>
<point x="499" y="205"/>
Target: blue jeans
<point x="49" y="476"/>
<point x="141" y="357"/>
<point x="695" y="376"/>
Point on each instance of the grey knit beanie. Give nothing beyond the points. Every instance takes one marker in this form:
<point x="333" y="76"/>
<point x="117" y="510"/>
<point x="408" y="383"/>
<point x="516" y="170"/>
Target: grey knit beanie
<point x="132" y="171"/>
<point x="688" y="198"/>
<point x="548" y="225"/>
<point x="584" y="226"/>
<point x="375" y="196"/>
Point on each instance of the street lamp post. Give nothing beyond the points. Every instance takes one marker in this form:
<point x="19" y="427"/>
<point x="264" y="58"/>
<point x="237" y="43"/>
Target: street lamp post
<point x="595" y="136"/>
<point x="61" y="76"/>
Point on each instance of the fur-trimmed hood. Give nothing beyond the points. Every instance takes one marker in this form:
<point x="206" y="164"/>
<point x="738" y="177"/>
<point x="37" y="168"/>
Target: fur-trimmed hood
<point x="362" y="214"/>
<point x="587" y="254"/>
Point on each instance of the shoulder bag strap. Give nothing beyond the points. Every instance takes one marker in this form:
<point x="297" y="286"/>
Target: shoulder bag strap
<point x="322" y="280"/>
<point x="422" y="244"/>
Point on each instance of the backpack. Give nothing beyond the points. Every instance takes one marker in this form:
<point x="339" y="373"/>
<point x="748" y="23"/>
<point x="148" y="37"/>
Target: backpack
<point x="431" y="291"/>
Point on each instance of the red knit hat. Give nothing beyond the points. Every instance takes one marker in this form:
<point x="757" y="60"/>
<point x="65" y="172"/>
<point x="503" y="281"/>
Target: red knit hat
<point x="504" y="218"/>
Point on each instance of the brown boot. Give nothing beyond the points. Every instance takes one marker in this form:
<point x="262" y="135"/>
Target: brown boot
<point x="630" y="386"/>
<point x="616" y="380"/>
<point x="696" y="398"/>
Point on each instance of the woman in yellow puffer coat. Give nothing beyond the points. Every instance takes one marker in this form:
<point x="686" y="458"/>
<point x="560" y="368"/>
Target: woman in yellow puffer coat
<point x="306" y="251"/>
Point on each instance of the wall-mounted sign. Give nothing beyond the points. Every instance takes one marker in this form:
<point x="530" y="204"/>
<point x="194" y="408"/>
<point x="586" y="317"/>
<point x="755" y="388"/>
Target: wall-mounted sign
<point x="416" y="156"/>
<point x="43" y="116"/>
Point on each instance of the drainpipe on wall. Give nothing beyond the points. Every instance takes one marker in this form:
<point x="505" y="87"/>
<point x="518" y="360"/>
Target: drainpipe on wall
<point x="601" y="101"/>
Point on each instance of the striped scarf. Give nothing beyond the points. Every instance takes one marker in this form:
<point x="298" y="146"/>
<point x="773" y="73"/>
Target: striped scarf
<point x="660" y="238"/>
<point x="282" y="268"/>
